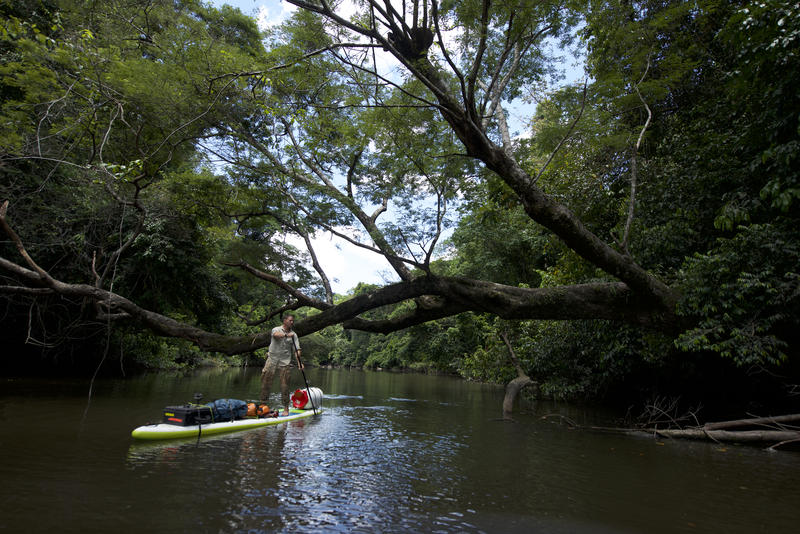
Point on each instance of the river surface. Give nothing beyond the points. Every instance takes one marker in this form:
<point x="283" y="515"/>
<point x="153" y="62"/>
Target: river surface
<point x="390" y="453"/>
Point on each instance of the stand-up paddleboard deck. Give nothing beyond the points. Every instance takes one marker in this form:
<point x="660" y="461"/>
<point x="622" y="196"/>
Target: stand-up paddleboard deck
<point x="164" y="431"/>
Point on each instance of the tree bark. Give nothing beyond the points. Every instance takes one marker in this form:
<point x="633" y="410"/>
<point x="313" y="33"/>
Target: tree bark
<point x="613" y="301"/>
<point x="547" y="212"/>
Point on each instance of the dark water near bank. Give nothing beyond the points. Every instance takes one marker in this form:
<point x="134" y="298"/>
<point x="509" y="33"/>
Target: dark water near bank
<point x="391" y="453"/>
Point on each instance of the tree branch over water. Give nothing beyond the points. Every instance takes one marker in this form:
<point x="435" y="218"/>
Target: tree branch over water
<point x="588" y="301"/>
<point x="221" y="147"/>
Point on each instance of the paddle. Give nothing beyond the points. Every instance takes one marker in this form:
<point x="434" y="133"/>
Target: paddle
<point x="300" y="365"/>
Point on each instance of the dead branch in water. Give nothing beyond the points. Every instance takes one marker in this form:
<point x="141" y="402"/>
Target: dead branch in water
<point x="753" y="421"/>
<point x="782" y="443"/>
<point x="767" y="429"/>
<point x="764" y="430"/>
<point x="663" y="411"/>
<point x="739" y="436"/>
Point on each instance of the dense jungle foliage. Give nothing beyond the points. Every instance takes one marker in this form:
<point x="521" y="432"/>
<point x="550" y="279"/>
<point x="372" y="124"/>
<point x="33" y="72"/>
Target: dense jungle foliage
<point x="134" y="159"/>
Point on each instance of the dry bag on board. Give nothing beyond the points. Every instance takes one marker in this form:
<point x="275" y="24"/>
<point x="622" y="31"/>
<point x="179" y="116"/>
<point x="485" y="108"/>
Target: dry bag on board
<point x="228" y="409"/>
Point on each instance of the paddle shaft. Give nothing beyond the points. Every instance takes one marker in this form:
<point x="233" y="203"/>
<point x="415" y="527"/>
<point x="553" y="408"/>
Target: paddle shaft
<point x="302" y="371"/>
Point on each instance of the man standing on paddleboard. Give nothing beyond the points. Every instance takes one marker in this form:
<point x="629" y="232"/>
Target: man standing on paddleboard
<point x="283" y="344"/>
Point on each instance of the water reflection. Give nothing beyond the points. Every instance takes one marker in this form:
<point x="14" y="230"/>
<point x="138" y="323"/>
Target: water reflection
<point x="391" y="453"/>
<point x="356" y="469"/>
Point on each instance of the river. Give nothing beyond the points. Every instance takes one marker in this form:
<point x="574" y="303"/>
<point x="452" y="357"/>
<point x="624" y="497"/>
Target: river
<point x="390" y="453"/>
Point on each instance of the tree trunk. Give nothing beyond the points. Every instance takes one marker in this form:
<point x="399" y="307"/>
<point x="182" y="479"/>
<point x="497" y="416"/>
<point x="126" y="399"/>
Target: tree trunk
<point x="512" y="390"/>
<point x="515" y="386"/>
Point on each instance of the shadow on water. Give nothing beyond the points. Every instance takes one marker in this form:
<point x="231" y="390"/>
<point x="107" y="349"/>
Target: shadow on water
<point x="391" y="453"/>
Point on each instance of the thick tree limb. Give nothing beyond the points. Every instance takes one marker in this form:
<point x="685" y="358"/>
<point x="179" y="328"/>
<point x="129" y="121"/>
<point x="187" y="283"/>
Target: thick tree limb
<point x="588" y="301"/>
<point x="512" y="392"/>
<point x="612" y="301"/>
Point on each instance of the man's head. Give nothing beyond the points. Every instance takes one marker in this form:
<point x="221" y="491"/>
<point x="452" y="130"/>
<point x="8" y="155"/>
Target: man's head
<point x="288" y="322"/>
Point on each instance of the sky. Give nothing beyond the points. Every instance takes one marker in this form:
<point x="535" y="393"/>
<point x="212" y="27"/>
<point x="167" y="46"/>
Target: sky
<point x="268" y="12"/>
<point x="345" y="264"/>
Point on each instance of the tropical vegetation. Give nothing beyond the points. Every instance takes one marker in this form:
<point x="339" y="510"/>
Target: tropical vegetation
<point x="167" y="166"/>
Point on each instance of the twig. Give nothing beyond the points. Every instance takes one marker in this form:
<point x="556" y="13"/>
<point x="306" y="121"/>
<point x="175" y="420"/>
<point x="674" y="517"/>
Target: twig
<point x="782" y="443"/>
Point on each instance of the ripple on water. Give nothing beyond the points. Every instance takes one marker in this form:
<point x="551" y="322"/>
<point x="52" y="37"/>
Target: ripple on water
<point x="358" y="469"/>
<point x="377" y="463"/>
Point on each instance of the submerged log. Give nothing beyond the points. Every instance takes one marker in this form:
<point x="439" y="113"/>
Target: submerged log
<point x="753" y="421"/>
<point x="772" y="430"/>
<point x="738" y="436"/>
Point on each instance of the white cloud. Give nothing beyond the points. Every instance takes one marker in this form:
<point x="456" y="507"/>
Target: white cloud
<point x="347" y="265"/>
<point x="272" y="13"/>
<point x="346" y="9"/>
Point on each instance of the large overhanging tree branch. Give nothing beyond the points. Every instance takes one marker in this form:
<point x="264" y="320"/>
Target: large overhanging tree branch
<point x="587" y="301"/>
<point x="409" y="43"/>
<point x="308" y="163"/>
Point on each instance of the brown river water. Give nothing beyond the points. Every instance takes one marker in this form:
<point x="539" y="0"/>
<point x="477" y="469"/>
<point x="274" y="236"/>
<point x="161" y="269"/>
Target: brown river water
<point x="390" y="453"/>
